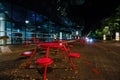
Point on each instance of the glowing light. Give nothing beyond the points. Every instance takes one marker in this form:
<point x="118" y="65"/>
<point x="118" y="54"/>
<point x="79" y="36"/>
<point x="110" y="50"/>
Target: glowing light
<point x="117" y="36"/>
<point x="1" y="18"/>
<point x="89" y="39"/>
<point x="106" y="27"/>
<point x="26" y="21"/>
<point x="55" y="36"/>
<point x="104" y="37"/>
<point x="77" y="33"/>
<point x="60" y="35"/>
<point x="18" y="30"/>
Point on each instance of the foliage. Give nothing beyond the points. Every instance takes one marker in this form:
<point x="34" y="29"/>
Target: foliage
<point x="113" y="23"/>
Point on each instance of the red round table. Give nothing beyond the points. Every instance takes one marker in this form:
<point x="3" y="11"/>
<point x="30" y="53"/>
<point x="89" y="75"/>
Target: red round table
<point x="49" y="45"/>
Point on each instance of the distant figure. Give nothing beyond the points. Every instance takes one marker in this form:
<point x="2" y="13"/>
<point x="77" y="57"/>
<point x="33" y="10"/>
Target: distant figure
<point x="55" y="38"/>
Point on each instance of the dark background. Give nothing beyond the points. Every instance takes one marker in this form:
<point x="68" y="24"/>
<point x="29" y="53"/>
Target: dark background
<point x="82" y="12"/>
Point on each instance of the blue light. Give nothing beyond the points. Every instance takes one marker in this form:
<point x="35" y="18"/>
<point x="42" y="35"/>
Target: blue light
<point x="89" y="40"/>
<point x="39" y="26"/>
<point x="18" y="30"/>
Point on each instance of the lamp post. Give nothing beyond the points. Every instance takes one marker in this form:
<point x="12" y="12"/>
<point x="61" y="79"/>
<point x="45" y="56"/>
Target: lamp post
<point x="2" y="26"/>
<point x="27" y="22"/>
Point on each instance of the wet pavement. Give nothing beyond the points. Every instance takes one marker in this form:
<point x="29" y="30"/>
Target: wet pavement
<point x="98" y="61"/>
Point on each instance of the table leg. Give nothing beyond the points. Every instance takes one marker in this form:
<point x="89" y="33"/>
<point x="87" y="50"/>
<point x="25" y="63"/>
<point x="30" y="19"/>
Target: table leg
<point x="45" y="70"/>
<point x="72" y="64"/>
<point x="47" y="52"/>
<point x="31" y="57"/>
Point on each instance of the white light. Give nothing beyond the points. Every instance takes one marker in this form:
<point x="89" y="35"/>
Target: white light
<point x="77" y="33"/>
<point x="60" y="35"/>
<point x="106" y="27"/>
<point x="89" y="39"/>
<point x="104" y="37"/>
<point x="26" y="21"/>
<point x="18" y="30"/>
<point x="1" y="18"/>
<point x="55" y="36"/>
<point x="117" y="36"/>
<point x="60" y="44"/>
<point x="86" y="38"/>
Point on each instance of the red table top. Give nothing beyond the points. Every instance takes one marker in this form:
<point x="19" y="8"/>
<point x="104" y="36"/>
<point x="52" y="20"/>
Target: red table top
<point x="50" y="44"/>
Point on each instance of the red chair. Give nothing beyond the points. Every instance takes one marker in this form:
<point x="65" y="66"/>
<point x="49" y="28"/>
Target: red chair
<point x="26" y="43"/>
<point x="44" y="62"/>
<point x="29" y="54"/>
<point x="71" y="55"/>
<point x="63" y="50"/>
<point x="35" y="40"/>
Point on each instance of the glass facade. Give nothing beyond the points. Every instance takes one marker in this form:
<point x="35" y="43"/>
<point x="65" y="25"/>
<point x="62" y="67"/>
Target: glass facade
<point x="21" y="24"/>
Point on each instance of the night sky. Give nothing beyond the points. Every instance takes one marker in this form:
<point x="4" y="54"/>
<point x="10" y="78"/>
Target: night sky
<point x="92" y="12"/>
<point x="82" y="12"/>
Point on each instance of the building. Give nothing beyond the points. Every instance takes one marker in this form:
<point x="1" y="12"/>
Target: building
<point x="21" y="24"/>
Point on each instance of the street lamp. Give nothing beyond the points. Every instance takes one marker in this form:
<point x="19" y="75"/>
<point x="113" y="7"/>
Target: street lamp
<point x="26" y="21"/>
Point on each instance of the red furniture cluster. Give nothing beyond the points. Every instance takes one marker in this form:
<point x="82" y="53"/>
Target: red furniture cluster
<point x="45" y="61"/>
